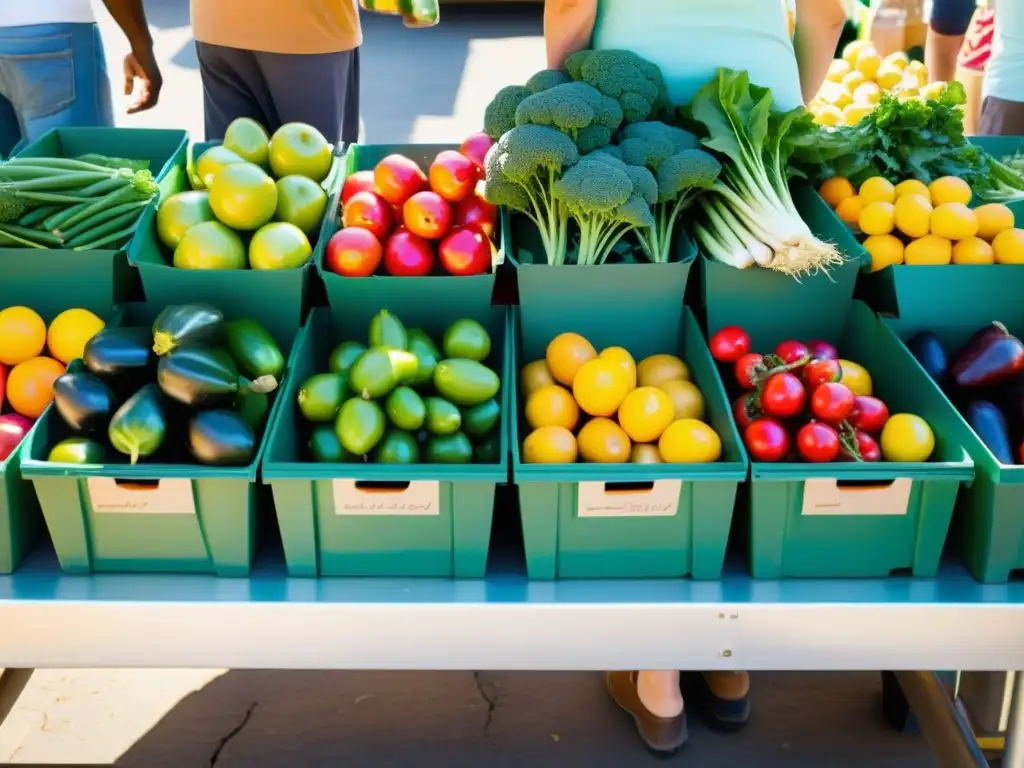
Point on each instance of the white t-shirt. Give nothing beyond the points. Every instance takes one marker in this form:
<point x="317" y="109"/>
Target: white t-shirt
<point x="21" y="13"/>
<point x="1004" y="77"/>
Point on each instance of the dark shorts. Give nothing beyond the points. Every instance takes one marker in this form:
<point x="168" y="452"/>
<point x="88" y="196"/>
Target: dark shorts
<point x="1000" y="117"/>
<point x="277" y="88"/>
<point x="952" y="17"/>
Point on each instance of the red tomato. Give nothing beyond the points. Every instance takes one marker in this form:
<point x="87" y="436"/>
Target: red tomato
<point x="766" y="440"/>
<point x="817" y="442"/>
<point x="452" y="175"/>
<point x="822" y="350"/>
<point x="360" y="181"/>
<point x="398" y="178"/>
<point x="832" y="402"/>
<point x="868" y="414"/>
<point x="475" y="148"/>
<point x="729" y="344"/>
<point x="743" y="412"/>
<point x="369" y="211"/>
<point x="783" y="396"/>
<point x="867" y="446"/>
<point x="465" y="251"/>
<point x="428" y="215"/>
<point x="353" y="252"/>
<point x="408" y="255"/>
<point x="477" y="213"/>
<point x="745" y="369"/>
<point x="3" y="384"/>
<point x="818" y="372"/>
<point x="792" y="351"/>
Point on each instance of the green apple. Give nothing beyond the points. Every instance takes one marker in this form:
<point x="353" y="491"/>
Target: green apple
<point x="279" y="245"/>
<point x="247" y="139"/>
<point x="300" y="201"/>
<point x="211" y="162"/>
<point x="300" y="149"/>
<point x="179" y="213"/>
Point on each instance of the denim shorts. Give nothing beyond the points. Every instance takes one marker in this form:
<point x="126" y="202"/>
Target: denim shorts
<point x="952" y="17"/>
<point x="51" y="75"/>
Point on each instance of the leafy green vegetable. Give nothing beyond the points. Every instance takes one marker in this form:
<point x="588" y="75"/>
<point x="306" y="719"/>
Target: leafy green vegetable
<point x="115" y="162"/>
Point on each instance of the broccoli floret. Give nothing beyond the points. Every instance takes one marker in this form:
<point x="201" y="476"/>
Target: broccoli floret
<point x="635" y="212"/>
<point x="611" y="150"/>
<point x="545" y="79"/>
<point x="635" y="83"/>
<point x="646" y="152"/>
<point x="656" y="131"/>
<point x="572" y="108"/>
<point x="500" y="114"/>
<point x="644" y="183"/>
<point x="521" y="171"/>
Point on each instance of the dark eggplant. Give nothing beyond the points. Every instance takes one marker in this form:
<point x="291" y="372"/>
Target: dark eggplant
<point x="201" y="377"/>
<point x="116" y="352"/>
<point x="139" y="427"/>
<point x="992" y="355"/>
<point x="83" y="401"/>
<point x="186" y="324"/>
<point x="930" y="353"/>
<point x="221" y="437"/>
<point x="990" y="425"/>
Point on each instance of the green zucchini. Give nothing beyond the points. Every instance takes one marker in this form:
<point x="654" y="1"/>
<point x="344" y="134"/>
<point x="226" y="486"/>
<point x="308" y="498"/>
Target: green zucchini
<point x="201" y="377"/>
<point x="254" y="349"/>
<point x="138" y="428"/>
<point x="186" y="323"/>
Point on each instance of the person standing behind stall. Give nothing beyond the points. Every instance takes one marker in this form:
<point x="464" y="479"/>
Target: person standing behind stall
<point x="947" y="27"/>
<point x="1002" y="110"/>
<point x="279" y="61"/>
<point x="52" y="69"/>
<point x="689" y="40"/>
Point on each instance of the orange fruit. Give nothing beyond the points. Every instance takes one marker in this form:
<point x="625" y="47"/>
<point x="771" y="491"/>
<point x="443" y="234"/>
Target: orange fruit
<point x="849" y="211"/>
<point x="30" y="385"/>
<point x="552" y="406"/>
<point x="22" y="335"/>
<point x="70" y="331"/>
<point x="645" y="413"/>
<point x="599" y="387"/>
<point x="549" y="445"/>
<point x="835" y="190"/>
<point x="602" y="441"/>
<point x="622" y="358"/>
<point x="566" y="354"/>
<point x="993" y="218"/>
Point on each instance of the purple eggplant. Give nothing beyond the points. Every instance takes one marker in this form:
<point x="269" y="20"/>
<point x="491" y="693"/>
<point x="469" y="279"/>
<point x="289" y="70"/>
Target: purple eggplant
<point x="992" y="355"/>
<point x="990" y="425"/>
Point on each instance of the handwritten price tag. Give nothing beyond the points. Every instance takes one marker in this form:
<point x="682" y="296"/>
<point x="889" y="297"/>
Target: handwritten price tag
<point x="168" y="497"/>
<point x="598" y="500"/>
<point x="420" y="498"/>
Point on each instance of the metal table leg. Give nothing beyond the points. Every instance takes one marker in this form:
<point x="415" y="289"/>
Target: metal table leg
<point x="946" y="732"/>
<point x="1013" y="757"/>
<point x="12" y="683"/>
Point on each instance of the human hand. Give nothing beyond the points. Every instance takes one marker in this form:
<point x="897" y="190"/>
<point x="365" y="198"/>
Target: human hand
<point x="142" y="68"/>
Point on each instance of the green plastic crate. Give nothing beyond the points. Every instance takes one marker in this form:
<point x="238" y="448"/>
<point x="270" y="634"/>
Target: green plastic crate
<point x="165" y="516"/>
<point x="861" y="519"/>
<point x="321" y="507"/>
<point x="989" y="526"/>
<point x="628" y="520"/>
<point x="378" y="290"/>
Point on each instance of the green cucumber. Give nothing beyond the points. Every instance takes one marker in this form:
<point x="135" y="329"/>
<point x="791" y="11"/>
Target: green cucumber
<point x="386" y="330"/>
<point x="254" y="349"/>
<point x="139" y="427"/>
<point x="186" y="323"/>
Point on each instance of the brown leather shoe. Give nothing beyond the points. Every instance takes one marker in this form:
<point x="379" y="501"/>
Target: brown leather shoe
<point x="662" y="735"/>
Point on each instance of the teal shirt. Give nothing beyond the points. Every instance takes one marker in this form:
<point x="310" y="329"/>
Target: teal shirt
<point x="1004" y="77"/>
<point x="690" y="39"/>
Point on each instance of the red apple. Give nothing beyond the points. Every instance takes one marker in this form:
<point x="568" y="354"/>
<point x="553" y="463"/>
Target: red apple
<point x="476" y="213"/>
<point x="465" y="251"/>
<point x="396" y="211"/>
<point x="353" y="252"/>
<point x="408" y="255"/>
<point x="398" y="178"/>
<point x="428" y="215"/>
<point x="452" y="175"/>
<point x="360" y="181"/>
<point x="368" y="210"/>
<point x="475" y="148"/>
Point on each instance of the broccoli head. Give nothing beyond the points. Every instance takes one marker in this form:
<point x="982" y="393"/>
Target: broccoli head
<point x="545" y="79"/>
<point x="572" y="108"/>
<point x="635" y="83"/>
<point x="593" y="186"/>
<point x="691" y="170"/>
<point x="530" y="150"/>
<point x="500" y="114"/>
<point x="635" y="212"/>
<point x="658" y="132"/>
<point x="650" y="153"/>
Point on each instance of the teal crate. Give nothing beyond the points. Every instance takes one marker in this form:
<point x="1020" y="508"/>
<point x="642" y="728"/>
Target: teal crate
<point x="321" y="508"/>
<point x="169" y="515"/>
<point x="367" y="292"/>
<point x="771" y="305"/>
<point x="109" y="268"/>
<point x="862" y="519"/>
<point x="628" y="520"/>
<point x="989" y="526"/>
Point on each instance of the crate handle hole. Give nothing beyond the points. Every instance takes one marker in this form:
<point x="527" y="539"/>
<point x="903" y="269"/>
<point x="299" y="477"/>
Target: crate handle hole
<point x="382" y="486"/>
<point x="137" y="485"/>
<point x="864" y="485"/>
<point x="629" y="487"/>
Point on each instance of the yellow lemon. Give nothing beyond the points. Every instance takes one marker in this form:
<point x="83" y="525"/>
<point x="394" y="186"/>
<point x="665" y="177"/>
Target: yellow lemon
<point x="655" y="370"/>
<point x="849" y="210"/>
<point x="599" y="387"/>
<point x="534" y="376"/>
<point x="829" y="116"/>
<point x="566" y="354"/>
<point x="930" y="250"/>
<point x="933" y="91"/>
<point x="868" y="64"/>
<point x="623" y="359"/>
<point x="70" y="331"/>
<point x="686" y="398"/>
<point x="852" y="80"/>
<point x="644" y="414"/>
<point x="867" y="93"/>
<point x="906" y="94"/>
<point x="954" y="221"/>
<point x="888" y="77"/>
<point x="688" y="441"/>
<point x="1009" y="246"/>
<point x="913" y="215"/>
<point x="835" y="190"/>
<point x="837" y="70"/>
<point x="854" y="113"/>
<point x="973" y="250"/>
<point x="602" y="441"/>
<point x="906" y="437"/>
<point x="950" y="189"/>
<point x="877" y="218"/>
<point x="885" y="250"/>
<point x="832" y="93"/>
<point x="855" y="377"/>
<point x="918" y="67"/>
<point x="899" y="60"/>
<point x="854" y="49"/>
<point x="993" y="218"/>
<point x="913" y="187"/>
<point x="552" y="406"/>
<point x="645" y="454"/>
<point x="877" y="190"/>
<point x="549" y="445"/>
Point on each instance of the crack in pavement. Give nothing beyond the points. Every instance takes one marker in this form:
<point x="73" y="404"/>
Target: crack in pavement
<point x="492" y="704"/>
<point x="231" y="734"/>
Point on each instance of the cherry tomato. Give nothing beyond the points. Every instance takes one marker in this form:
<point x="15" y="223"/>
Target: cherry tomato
<point x="818" y="372"/>
<point x="766" y="440"/>
<point x="817" y="442"/>
<point x="822" y="350"/>
<point x="832" y="402"/>
<point x="743" y="412"/>
<point x="783" y="396"/>
<point x="745" y="369"/>
<point x="868" y="447"/>
<point x="792" y="351"/>
<point x="730" y="344"/>
<point x="869" y="414"/>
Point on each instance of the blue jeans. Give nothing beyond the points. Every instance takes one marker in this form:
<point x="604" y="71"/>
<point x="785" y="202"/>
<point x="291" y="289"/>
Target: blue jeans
<point x="51" y="75"/>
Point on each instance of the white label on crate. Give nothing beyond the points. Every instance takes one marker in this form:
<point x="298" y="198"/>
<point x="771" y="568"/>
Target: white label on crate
<point x="419" y="498"/>
<point x="827" y="497"/>
<point x="165" y="497"/>
<point x="661" y="499"/>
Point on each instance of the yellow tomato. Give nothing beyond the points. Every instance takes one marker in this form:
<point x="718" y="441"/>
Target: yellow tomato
<point x="906" y="437"/>
<point x="849" y="211"/>
<point x="623" y="359"/>
<point x="602" y="441"/>
<point x="877" y="190"/>
<point x="549" y="445"/>
<point x="928" y="251"/>
<point x="599" y="387"/>
<point x="855" y="377"/>
<point x="70" y="331"/>
<point x="1009" y="246"/>
<point x="885" y="251"/>
<point x="644" y="414"/>
<point x="534" y="376"/>
<point x="645" y="454"/>
<point x="877" y="218"/>
<point x="913" y="215"/>
<point x="993" y="218"/>
<point x="867" y="93"/>
<point x="552" y="406"/>
<point x="688" y="441"/>
<point x="950" y="189"/>
<point x="973" y="250"/>
<point x="835" y="190"/>
<point x="655" y="370"/>
<point x="837" y="70"/>
<point x="566" y="354"/>
<point x="913" y="187"/>
<point x="686" y="398"/>
<point x="954" y="221"/>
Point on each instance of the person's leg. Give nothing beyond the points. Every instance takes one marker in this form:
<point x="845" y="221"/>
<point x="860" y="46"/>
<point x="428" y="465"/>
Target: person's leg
<point x="723" y="696"/>
<point x="1000" y="117"/>
<point x="233" y="86"/>
<point x="949" y="22"/>
<point x="653" y="700"/>
<point x="332" y="108"/>
<point x="10" y="131"/>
